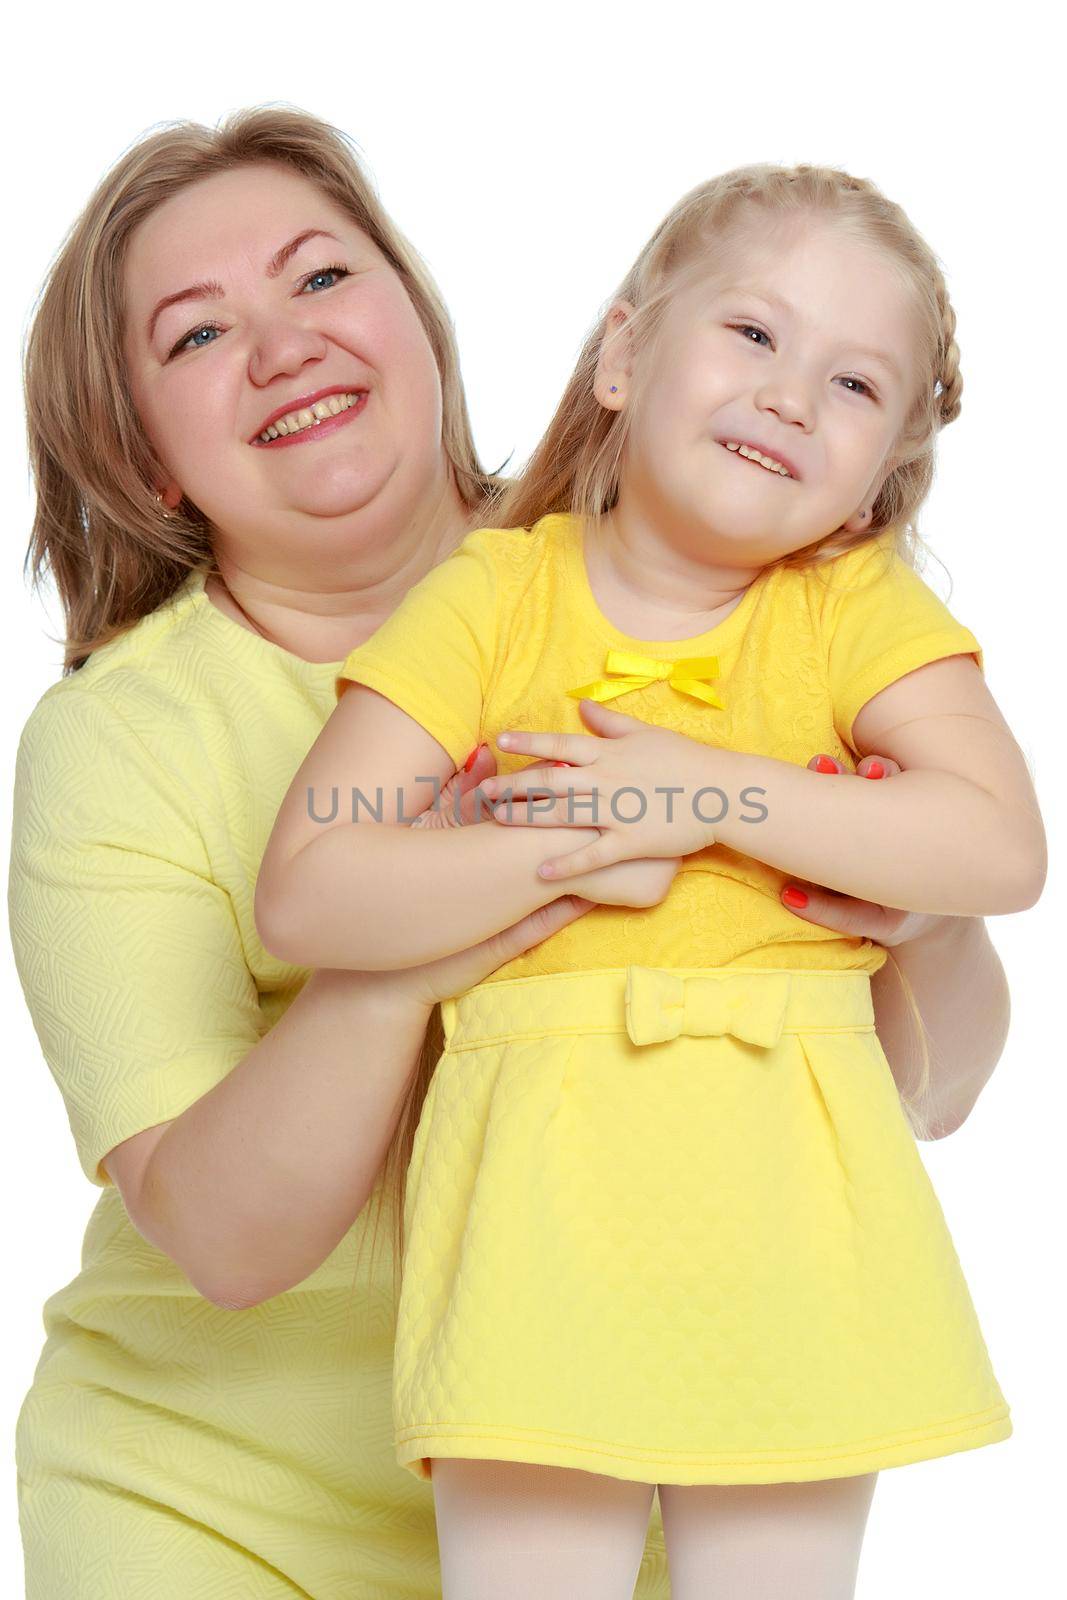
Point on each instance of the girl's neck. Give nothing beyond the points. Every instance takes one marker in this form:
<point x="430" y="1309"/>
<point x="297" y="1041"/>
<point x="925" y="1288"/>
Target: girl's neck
<point x="650" y="592"/>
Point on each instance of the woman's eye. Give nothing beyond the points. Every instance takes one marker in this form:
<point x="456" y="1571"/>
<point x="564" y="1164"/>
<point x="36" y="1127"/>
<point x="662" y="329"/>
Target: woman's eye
<point x="313" y="280"/>
<point x="324" y="272"/>
<point x="186" y="341"/>
<point x="867" y="390"/>
<point x="748" y="327"/>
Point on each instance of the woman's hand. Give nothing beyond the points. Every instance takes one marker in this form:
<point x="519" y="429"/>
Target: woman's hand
<point x="657" y="775"/>
<point x="857" y="919"/>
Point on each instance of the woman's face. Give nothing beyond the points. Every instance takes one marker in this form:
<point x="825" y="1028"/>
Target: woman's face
<point x="802" y="348"/>
<point x="275" y="296"/>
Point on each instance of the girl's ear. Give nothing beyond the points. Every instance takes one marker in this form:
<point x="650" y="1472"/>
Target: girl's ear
<point x="614" y="364"/>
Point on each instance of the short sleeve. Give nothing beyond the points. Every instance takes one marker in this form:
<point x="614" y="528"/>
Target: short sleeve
<point x="129" y="955"/>
<point x="434" y="654"/>
<point x="881" y="620"/>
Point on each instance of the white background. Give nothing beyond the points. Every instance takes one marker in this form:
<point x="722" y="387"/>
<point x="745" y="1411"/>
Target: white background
<point x="528" y="152"/>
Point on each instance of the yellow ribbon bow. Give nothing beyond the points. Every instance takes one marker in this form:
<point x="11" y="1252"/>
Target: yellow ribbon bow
<point x="639" y="671"/>
<point x="660" y="1005"/>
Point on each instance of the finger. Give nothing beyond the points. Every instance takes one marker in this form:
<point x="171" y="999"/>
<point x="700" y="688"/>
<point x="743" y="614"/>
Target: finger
<point x="451" y="974"/>
<point x="873" y="766"/>
<point x="539" y="924"/>
<point x="544" y="811"/>
<point x="608" y="722"/>
<point x="861" y="919"/>
<point x="575" y="748"/>
<point x="601" y="853"/>
<point x="483" y="766"/>
<point x="558" y="779"/>
<point x="824" y="763"/>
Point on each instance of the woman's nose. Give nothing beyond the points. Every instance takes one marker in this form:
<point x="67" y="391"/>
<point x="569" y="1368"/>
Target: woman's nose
<point x="281" y="346"/>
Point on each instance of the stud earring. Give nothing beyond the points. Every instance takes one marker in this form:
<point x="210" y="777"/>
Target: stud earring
<point x="162" y="507"/>
<point x="614" y="390"/>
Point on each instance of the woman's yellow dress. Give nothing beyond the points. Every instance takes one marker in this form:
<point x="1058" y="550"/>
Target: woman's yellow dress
<point x="666" y="1219"/>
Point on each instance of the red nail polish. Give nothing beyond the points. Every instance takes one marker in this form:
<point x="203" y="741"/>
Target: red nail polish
<point x="876" y="770"/>
<point x="794" y="897"/>
<point x="468" y="764"/>
<point x="824" y="764"/>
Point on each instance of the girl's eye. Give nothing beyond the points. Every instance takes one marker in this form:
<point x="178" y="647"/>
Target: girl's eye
<point x="750" y="327"/>
<point x="192" y="340"/>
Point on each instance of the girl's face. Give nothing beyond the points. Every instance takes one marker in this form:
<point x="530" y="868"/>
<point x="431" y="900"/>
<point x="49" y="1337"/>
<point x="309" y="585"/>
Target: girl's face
<point x="247" y="294"/>
<point x="803" y="349"/>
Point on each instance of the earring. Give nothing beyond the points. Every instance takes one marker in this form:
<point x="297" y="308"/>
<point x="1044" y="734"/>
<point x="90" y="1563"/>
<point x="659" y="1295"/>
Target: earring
<point x="614" y="389"/>
<point x="162" y="507"/>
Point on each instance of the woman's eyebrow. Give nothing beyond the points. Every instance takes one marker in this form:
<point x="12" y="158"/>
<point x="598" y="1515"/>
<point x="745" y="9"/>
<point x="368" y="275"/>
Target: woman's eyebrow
<point x="772" y="299"/>
<point x="211" y="289"/>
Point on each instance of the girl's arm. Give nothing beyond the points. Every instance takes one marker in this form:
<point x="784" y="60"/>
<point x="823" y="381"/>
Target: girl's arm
<point x="958" y="831"/>
<point x="372" y="893"/>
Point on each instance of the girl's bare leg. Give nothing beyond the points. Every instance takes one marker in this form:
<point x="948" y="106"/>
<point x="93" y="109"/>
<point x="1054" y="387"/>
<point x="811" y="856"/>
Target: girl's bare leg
<point x="509" y="1529"/>
<point x="760" y="1541"/>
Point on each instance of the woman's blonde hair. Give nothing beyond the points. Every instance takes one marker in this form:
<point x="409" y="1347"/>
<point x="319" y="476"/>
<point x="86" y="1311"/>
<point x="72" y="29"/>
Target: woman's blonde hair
<point x="577" y="465"/>
<point x="98" y="527"/>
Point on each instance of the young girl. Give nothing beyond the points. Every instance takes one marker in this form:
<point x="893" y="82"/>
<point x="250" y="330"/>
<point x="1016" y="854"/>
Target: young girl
<point x="665" y="1218"/>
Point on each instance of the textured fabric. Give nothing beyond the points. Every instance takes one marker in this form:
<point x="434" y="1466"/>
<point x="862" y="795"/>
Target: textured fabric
<point x="665" y="1217"/>
<point x="672" y="1226"/>
<point x="496" y="635"/>
<point x="167" y="1446"/>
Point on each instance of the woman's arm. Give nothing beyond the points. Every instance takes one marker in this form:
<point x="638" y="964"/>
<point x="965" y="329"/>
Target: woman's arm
<point x="252" y="1187"/>
<point x="372" y="894"/>
<point x="962" y="996"/>
<point x="957" y="982"/>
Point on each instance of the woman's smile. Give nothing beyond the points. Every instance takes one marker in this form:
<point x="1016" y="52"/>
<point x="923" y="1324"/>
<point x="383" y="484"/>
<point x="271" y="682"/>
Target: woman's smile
<point x="321" y="415"/>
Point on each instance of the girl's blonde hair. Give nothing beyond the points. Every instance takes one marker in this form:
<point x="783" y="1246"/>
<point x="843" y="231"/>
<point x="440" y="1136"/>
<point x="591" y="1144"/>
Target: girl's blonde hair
<point x="577" y="465"/>
<point x="98" y="527"/>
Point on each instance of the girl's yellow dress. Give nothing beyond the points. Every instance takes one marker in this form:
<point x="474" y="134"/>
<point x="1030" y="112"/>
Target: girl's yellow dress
<point x="665" y="1217"/>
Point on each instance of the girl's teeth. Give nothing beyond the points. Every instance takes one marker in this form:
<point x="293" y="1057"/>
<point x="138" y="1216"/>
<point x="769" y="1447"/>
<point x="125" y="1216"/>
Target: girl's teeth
<point x="297" y="421"/>
<point x="764" y="461"/>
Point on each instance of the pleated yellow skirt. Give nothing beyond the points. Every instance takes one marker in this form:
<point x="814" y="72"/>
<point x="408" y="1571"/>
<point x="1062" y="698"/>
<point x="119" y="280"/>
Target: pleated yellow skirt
<point x="672" y="1225"/>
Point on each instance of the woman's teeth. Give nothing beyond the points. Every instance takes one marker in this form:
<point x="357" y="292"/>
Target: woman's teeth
<point x="764" y="461"/>
<point x="309" y="417"/>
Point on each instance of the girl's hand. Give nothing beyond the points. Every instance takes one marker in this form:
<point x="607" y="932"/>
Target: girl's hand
<point x="630" y="883"/>
<point x="858" y="919"/>
<point x="584" y="773"/>
<point x="641" y="882"/>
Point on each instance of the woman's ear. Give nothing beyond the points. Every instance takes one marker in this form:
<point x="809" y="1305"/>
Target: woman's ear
<point x="169" y="494"/>
<point x="614" y="368"/>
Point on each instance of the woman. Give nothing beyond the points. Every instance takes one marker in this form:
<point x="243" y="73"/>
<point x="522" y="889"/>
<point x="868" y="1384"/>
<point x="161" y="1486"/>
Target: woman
<point x="219" y="546"/>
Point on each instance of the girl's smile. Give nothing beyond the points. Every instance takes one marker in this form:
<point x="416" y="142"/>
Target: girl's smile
<point x="763" y="458"/>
